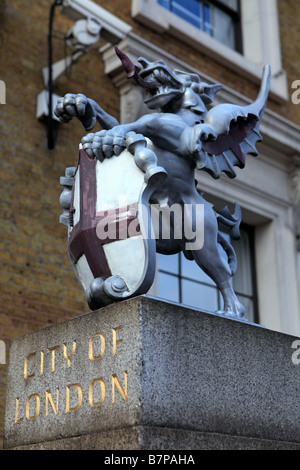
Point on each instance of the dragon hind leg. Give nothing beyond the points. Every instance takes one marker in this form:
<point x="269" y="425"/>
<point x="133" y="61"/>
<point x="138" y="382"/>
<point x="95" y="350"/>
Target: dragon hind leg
<point x="232" y="306"/>
<point x="218" y="267"/>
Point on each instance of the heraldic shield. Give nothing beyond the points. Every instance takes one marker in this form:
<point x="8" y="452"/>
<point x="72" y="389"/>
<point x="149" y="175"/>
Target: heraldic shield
<point x="111" y="242"/>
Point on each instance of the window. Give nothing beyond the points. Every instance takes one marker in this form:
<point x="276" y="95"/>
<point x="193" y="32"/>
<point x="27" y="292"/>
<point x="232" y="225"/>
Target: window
<point x="218" y="18"/>
<point x="182" y="281"/>
<point x="243" y="35"/>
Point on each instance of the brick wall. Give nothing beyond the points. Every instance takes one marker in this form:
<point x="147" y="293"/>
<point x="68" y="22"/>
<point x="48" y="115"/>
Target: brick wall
<point x="37" y="284"/>
<point x="289" y="16"/>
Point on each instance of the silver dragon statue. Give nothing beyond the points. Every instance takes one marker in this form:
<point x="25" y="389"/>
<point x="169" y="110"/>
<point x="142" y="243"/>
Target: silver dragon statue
<point x="164" y="147"/>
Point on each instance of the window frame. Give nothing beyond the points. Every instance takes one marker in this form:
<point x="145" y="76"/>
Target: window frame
<point x="236" y="17"/>
<point x="261" y="40"/>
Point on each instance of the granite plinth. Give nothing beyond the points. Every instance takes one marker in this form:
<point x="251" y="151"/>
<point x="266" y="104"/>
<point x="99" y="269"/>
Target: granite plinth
<point x="148" y="374"/>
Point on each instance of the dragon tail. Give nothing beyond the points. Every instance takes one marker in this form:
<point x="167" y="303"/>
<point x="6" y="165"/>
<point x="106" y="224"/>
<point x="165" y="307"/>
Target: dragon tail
<point x="233" y="222"/>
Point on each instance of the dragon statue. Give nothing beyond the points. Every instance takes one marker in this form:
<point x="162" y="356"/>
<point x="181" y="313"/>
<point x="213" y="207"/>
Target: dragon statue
<point x="185" y="136"/>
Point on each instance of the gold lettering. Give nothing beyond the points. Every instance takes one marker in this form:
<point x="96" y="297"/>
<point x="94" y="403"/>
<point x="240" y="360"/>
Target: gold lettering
<point x="17" y="412"/>
<point x="37" y="406"/>
<point x="115" y="381"/>
<point x="79" y="402"/>
<point x="115" y="340"/>
<point x="50" y="399"/>
<point x="53" y="356"/>
<point x="66" y="353"/>
<point x="91" y="389"/>
<point x="26" y="376"/>
<point x="91" y="346"/>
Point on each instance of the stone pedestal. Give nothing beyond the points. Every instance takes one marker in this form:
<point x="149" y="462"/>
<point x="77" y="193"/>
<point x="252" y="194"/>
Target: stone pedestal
<point x="147" y="374"/>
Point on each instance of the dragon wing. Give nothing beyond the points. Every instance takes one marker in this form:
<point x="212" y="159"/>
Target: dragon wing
<point x="236" y="132"/>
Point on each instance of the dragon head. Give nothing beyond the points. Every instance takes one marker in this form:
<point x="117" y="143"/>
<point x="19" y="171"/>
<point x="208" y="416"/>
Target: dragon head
<point x="176" y="88"/>
<point x="169" y="89"/>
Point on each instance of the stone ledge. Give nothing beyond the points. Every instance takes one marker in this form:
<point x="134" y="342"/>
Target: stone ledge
<point x="152" y="438"/>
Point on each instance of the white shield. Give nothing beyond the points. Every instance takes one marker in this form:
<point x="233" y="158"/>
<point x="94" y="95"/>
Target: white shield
<point x="112" y="245"/>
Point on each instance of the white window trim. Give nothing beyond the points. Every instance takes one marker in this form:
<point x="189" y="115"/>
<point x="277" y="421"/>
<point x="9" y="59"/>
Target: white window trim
<point x="261" y="38"/>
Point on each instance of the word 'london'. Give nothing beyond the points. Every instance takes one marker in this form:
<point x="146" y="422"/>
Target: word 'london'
<point x="34" y="365"/>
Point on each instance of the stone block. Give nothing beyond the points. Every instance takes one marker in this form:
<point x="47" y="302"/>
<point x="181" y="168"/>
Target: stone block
<point x="148" y="374"/>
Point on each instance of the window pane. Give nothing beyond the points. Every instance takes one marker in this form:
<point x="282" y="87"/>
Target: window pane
<point x="190" y="10"/>
<point x="191" y="270"/>
<point x="207" y="20"/>
<point x="242" y="280"/>
<point x="169" y="263"/>
<point x="222" y="27"/>
<point x="168" y="287"/>
<point x="206" y="16"/>
<point x="199" y="296"/>
<point x="164" y="3"/>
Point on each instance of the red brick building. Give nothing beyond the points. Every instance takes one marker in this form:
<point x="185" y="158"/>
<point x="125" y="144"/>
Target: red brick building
<point x="227" y="42"/>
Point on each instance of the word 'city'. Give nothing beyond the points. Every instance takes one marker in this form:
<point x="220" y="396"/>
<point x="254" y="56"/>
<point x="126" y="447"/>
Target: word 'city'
<point x="35" y="366"/>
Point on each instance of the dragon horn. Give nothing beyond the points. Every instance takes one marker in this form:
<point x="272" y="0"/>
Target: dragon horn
<point x="129" y="67"/>
<point x="132" y="72"/>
